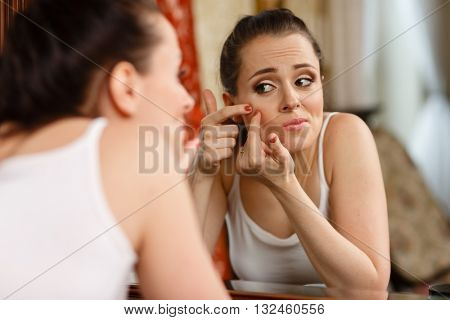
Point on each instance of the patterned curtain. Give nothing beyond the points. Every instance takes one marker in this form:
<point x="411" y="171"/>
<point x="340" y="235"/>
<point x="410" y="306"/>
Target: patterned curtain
<point x="179" y="14"/>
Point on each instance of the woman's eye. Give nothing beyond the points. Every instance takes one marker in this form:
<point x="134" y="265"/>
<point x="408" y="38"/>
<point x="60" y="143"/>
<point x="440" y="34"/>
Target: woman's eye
<point x="303" y="82"/>
<point x="263" y="88"/>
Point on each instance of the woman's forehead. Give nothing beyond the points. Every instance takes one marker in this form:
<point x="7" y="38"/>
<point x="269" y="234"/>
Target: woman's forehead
<point x="169" y="44"/>
<point x="167" y="31"/>
<point x="277" y="49"/>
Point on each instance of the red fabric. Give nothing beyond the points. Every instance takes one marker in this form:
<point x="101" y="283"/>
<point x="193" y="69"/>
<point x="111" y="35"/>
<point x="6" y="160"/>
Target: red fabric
<point x="179" y="14"/>
<point x="221" y="257"/>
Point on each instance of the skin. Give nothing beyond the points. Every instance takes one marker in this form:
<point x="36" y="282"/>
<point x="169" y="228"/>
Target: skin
<point x="282" y="200"/>
<point x="126" y="99"/>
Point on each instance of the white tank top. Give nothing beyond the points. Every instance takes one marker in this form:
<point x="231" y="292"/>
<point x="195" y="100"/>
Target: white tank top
<point x="257" y="255"/>
<point x="58" y="236"/>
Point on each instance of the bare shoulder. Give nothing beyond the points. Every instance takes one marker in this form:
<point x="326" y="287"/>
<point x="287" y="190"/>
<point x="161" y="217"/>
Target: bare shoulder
<point x="347" y="137"/>
<point x="138" y="182"/>
<point x="141" y="156"/>
<point x="346" y="126"/>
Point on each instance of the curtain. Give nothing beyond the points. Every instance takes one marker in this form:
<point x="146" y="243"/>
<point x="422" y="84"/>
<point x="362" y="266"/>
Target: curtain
<point x="179" y="13"/>
<point x="351" y="84"/>
<point x="429" y="146"/>
<point x="412" y="88"/>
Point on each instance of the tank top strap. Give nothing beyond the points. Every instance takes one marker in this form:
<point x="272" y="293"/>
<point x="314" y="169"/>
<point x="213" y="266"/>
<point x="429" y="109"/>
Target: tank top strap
<point x="324" y="188"/>
<point x="320" y="157"/>
<point x="95" y="129"/>
<point x="90" y="140"/>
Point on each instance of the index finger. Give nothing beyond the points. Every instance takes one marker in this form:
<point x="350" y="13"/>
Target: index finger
<point x="210" y="101"/>
<point x="253" y="136"/>
<point x="226" y="113"/>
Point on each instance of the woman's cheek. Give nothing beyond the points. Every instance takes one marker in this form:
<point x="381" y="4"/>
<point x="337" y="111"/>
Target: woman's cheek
<point x="314" y="102"/>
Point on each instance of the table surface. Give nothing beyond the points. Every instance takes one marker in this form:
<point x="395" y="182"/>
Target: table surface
<point x="240" y="289"/>
<point x="250" y="290"/>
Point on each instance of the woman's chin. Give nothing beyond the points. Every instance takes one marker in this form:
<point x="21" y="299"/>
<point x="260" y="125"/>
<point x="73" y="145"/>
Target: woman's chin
<point x="294" y="143"/>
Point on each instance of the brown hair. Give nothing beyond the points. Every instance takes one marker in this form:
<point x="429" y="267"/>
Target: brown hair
<point x="269" y="22"/>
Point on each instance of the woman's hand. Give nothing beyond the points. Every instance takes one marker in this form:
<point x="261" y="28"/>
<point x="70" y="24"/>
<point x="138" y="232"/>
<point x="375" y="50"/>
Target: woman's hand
<point x="217" y="140"/>
<point x="270" y="161"/>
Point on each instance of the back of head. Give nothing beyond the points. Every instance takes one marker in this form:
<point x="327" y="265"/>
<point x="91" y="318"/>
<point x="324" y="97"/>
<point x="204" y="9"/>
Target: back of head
<point x="269" y="22"/>
<point x="53" y="50"/>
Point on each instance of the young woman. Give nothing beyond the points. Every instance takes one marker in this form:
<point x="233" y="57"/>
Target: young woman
<point x="78" y="79"/>
<point x="304" y="194"/>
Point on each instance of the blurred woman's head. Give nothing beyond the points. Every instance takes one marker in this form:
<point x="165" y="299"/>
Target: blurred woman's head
<point x="117" y="58"/>
<point x="272" y="62"/>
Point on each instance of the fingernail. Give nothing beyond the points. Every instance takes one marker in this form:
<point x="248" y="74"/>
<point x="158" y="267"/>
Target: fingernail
<point x="273" y="140"/>
<point x="248" y="108"/>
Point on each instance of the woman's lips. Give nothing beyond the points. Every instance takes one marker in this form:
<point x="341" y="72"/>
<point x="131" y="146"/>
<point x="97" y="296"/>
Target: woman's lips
<point x="295" y="124"/>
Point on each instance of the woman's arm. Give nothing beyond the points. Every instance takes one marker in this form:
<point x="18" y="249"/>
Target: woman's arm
<point x="211" y="204"/>
<point x="352" y="249"/>
<point x="217" y="142"/>
<point x="174" y="263"/>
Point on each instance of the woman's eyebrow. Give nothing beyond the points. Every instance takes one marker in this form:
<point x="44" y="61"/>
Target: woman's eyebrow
<point x="303" y="65"/>
<point x="262" y="71"/>
<point x="271" y="69"/>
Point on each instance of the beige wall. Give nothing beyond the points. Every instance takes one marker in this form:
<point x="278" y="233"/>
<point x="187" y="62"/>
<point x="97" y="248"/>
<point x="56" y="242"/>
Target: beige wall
<point x="213" y="21"/>
<point x="315" y="14"/>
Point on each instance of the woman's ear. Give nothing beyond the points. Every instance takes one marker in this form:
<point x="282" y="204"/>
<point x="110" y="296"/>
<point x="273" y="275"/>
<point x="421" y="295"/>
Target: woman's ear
<point x="228" y="100"/>
<point x="123" y="88"/>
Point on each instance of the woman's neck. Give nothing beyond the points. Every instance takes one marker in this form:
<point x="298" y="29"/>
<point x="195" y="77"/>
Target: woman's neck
<point x="304" y="161"/>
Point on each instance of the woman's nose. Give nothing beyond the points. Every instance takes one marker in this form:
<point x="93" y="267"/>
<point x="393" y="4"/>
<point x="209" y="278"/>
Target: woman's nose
<point x="291" y="100"/>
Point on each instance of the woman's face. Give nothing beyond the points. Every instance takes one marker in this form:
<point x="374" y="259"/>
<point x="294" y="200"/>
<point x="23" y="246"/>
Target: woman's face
<point x="164" y="99"/>
<point x="280" y="78"/>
